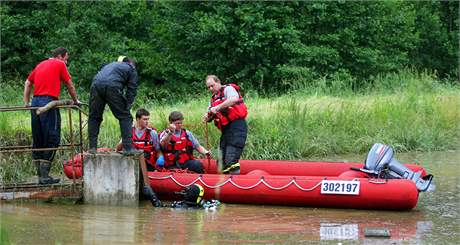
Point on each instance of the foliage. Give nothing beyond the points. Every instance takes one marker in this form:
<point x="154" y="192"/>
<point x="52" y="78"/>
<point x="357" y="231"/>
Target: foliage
<point x="272" y="47"/>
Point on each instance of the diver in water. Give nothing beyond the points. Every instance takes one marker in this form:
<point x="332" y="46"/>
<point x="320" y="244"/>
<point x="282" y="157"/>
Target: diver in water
<point x="193" y="199"/>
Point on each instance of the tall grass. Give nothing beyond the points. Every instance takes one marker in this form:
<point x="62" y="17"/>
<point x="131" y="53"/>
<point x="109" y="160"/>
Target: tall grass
<point x="407" y="110"/>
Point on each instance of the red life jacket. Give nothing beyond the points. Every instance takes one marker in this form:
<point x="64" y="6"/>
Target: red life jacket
<point x="178" y="150"/>
<point x="231" y="113"/>
<point x="145" y="143"/>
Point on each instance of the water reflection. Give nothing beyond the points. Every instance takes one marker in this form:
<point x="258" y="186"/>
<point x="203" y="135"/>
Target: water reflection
<point x="107" y="224"/>
<point x="86" y="224"/>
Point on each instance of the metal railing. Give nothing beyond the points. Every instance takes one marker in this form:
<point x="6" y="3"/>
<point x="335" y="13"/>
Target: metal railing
<point x="72" y="145"/>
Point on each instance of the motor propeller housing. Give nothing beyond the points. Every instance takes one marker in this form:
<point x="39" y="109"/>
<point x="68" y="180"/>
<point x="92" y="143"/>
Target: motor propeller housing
<point x="380" y="162"/>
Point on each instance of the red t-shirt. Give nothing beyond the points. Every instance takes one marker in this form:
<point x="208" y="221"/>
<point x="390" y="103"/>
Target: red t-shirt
<point x="47" y="77"/>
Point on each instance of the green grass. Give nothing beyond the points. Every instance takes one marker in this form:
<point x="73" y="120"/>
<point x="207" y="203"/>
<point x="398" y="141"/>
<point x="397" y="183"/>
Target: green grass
<point x="411" y="112"/>
<point x="4" y="236"/>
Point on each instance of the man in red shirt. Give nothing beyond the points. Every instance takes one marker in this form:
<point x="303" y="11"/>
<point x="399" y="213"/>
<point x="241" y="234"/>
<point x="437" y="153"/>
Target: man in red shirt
<point x="46" y="79"/>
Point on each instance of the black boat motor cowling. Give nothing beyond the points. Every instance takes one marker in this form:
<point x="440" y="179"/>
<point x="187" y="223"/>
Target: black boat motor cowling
<point x="380" y="162"/>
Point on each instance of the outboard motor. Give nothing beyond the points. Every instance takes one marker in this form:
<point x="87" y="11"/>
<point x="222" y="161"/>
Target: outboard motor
<point x="381" y="163"/>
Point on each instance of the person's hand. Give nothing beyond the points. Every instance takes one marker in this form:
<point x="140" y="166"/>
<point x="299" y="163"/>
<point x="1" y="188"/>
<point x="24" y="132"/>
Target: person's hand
<point x="208" y="154"/>
<point x="77" y="103"/>
<point x="161" y="161"/>
<point x="208" y="116"/>
<point x="27" y="104"/>
<point x="213" y="110"/>
<point x="172" y="127"/>
<point x="148" y="192"/>
<point x="156" y="202"/>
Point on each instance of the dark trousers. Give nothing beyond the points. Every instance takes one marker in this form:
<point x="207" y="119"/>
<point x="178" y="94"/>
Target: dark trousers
<point x="232" y="141"/>
<point x="192" y="165"/>
<point x="100" y="95"/>
<point x="46" y="129"/>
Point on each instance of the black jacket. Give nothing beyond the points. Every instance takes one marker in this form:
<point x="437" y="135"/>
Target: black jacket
<point x="120" y="75"/>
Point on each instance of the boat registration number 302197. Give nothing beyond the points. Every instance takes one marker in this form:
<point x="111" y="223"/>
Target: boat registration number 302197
<point x="343" y="187"/>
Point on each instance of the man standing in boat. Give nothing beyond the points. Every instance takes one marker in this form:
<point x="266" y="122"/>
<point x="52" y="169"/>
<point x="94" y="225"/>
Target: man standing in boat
<point x="228" y="111"/>
<point x="46" y="79"/>
<point x="178" y="144"/>
<point x="146" y="139"/>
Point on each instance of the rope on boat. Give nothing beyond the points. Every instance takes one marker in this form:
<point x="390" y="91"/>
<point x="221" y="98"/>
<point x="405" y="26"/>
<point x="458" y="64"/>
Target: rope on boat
<point x="230" y="180"/>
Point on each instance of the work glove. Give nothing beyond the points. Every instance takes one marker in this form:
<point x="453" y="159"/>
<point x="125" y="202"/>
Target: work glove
<point x="161" y="161"/>
<point x="148" y="192"/>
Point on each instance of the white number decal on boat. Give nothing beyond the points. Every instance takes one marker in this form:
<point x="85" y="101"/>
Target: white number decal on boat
<point x="343" y="187"/>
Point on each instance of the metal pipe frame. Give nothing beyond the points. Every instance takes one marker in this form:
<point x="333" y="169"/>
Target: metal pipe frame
<point x="71" y="146"/>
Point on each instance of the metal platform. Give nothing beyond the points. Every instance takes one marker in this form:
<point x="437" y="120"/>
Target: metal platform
<point x="27" y="191"/>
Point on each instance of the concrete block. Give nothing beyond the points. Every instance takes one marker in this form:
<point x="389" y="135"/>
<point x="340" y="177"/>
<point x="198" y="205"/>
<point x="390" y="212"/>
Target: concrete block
<point x="111" y="179"/>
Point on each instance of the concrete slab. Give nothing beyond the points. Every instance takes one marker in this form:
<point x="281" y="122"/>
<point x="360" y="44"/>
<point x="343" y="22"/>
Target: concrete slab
<point x="111" y="179"/>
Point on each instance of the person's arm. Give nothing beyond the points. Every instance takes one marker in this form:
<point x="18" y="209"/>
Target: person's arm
<point x="131" y="89"/>
<point x="202" y="150"/>
<point x="166" y="135"/>
<point x="64" y="76"/>
<point x="227" y="103"/>
<point x="72" y="92"/>
<point x="27" y="89"/>
<point x="160" y="162"/>
<point x="196" y="144"/>
<point x="155" y="141"/>
<point x="232" y="98"/>
<point x="159" y="153"/>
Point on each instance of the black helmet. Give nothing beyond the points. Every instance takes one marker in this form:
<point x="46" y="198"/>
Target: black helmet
<point x="194" y="194"/>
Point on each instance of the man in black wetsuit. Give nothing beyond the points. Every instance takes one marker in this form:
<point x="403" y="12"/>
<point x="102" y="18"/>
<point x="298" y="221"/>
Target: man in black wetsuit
<point x="193" y="199"/>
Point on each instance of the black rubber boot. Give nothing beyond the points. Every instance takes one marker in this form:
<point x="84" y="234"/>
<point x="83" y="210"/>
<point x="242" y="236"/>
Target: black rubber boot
<point x="92" y="146"/>
<point x="43" y="177"/>
<point x="37" y="168"/>
<point x="129" y="150"/>
<point x="232" y="169"/>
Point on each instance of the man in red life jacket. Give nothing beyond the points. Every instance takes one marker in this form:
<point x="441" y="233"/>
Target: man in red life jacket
<point x="46" y="79"/>
<point x="228" y="111"/>
<point x="146" y="139"/>
<point x="178" y="144"/>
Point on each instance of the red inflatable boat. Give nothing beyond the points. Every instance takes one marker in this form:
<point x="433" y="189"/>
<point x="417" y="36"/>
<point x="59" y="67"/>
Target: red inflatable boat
<point x="382" y="182"/>
<point x="293" y="183"/>
<point x="317" y="184"/>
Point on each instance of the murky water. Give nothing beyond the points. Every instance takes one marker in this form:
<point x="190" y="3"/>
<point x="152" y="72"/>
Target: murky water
<point x="435" y="220"/>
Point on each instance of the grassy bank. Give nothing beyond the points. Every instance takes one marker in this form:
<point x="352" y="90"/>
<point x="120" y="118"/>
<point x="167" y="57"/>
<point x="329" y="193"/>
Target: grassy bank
<point x="409" y="112"/>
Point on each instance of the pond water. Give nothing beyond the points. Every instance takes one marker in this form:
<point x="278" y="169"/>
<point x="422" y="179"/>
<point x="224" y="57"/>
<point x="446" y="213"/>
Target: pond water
<point x="435" y="220"/>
